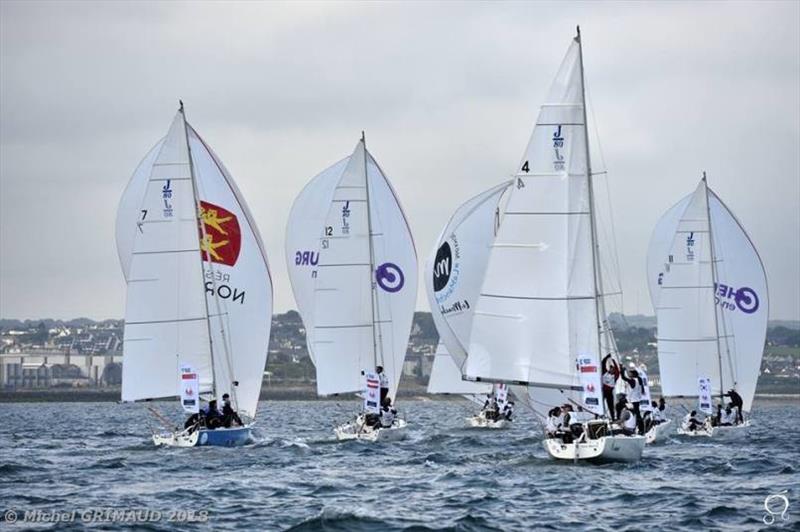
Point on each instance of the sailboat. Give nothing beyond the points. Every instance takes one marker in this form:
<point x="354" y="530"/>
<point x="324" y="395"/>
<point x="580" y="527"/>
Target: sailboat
<point x="454" y="274"/>
<point x="540" y="321"/>
<point x="199" y="294"/>
<point x="353" y="270"/>
<point x="709" y="290"/>
<point x="446" y="379"/>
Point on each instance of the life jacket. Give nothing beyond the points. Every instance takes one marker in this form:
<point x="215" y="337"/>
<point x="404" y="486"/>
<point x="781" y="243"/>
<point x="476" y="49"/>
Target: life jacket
<point x="387" y="417"/>
<point x="630" y="423"/>
<point x="384" y="380"/>
<point x="608" y="379"/>
<point x="635" y="394"/>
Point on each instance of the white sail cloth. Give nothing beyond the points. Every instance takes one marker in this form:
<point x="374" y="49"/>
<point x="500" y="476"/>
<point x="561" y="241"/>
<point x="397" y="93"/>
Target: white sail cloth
<point x="456" y="267"/>
<point x="182" y="301"/>
<point x="355" y="318"/>
<point x="446" y="376"/>
<point x="536" y="313"/>
<point x="707" y="329"/>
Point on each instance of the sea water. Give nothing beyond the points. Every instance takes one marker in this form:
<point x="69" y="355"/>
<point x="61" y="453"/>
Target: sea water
<point x="78" y="464"/>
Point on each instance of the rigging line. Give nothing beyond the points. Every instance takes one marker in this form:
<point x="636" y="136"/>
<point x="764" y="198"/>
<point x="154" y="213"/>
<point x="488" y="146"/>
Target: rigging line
<point x="376" y="338"/>
<point x="201" y="227"/>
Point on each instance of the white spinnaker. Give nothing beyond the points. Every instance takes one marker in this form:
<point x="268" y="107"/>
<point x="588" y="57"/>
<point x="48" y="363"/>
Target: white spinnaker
<point x="446" y="376"/>
<point x="537" y="308"/>
<point x="166" y="324"/>
<point x="306" y="220"/>
<point x="238" y="292"/>
<point x="743" y="297"/>
<point x="455" y="268"/>
<point x="685" y="299"/>
<point x="345" y="317"/>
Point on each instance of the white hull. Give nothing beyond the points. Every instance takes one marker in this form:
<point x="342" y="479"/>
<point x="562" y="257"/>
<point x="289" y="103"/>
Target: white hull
<point x="480" y="422"/>
<point x="658" y="432"/>
<point x="731" y="432"/>
<point x="604" y="449"/>
<point x="356" y="430"/>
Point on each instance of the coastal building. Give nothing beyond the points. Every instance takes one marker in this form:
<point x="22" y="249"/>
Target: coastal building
<point x="45" y="368"/>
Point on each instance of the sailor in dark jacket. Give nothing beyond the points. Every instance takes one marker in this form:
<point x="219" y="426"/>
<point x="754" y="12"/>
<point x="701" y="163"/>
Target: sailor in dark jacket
<point x="229" y="415"/>
<point x="737" y="403"/>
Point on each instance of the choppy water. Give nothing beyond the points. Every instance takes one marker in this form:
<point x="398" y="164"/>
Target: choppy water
<point x="86" y="457"/>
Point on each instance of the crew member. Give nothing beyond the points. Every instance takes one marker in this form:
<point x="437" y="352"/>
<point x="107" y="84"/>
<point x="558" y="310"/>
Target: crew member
<point x="728" y="418"/>
<point x="213" y="419"/>
<point x="635" y="394"/>
<point x="508" y="410"/>
<point x="737" y="403"/>
<point x="229" y="415"/>
<point x="691" y="422"/>
<point x="628" y="420"/>
<point x="384" y="383"/>
<point x="609" y="380"/>
<point x="388" y="414"/>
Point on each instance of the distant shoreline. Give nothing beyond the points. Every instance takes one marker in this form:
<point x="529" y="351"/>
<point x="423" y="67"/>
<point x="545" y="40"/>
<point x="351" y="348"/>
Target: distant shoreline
<point x="267" y="394"/>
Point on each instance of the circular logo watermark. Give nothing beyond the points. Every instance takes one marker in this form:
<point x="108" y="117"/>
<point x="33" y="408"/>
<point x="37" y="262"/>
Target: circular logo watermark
<point x="390" y="277"/>
<point x="747" y="300"/>
<point x="774" y="505"/>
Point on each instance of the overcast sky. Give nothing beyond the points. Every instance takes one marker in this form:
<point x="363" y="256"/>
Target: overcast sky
<point x="447" y="92"/>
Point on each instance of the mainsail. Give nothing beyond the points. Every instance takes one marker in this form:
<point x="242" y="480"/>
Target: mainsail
<point x="709" y="291"/>
<point x="199" y="288"/>
<point x="353" y="269"/>
<point x="539" y="312"/>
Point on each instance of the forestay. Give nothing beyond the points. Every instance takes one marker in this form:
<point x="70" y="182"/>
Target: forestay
<point x="198" y="293"/>
<point x="711" y="320"/>
<point x="537" y="312"/>
<point x="353" y="270"/>
<point x="456" y="267"/>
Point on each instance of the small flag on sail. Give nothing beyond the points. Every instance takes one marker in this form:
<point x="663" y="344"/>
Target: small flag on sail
<point x="501" y="394"/>
<point x="372" y="393"/>
<point x="644" y="404"/>
<point x="189" y="389"/>
<point x="589" y="372"/>
<point x="704" y="395"/>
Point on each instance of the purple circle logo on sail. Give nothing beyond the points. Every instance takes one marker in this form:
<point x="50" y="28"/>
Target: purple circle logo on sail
<point x="390" y="277"/>
<point x="747" y="300"/>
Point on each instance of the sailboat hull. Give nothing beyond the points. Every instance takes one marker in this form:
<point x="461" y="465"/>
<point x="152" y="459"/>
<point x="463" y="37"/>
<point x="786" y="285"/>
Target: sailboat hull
<point x="733" y="432"/>
<point x="658" y="432"/>
<point x="356" y="430"/>
<point x="222" y="437"/>
<point x="480" y="422"/>
<point x="604" y="449"/>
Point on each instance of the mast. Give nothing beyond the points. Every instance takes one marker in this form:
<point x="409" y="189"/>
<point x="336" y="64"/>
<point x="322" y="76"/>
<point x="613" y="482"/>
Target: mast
<point x="714" y="285"/>
<point x="203" y="233"/>
<point x="376" y="340"/>
<point x="597" y="277"/>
